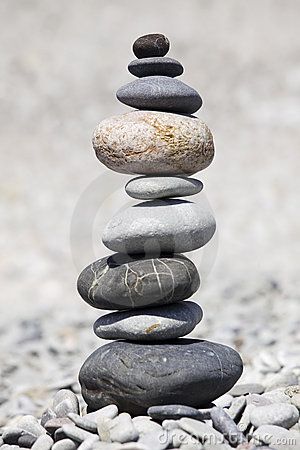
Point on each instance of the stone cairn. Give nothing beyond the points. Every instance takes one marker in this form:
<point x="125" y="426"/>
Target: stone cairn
<point x="150" y="365"/>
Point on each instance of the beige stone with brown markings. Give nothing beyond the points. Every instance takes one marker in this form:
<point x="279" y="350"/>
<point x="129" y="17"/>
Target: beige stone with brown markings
<point x="150" y="142"/>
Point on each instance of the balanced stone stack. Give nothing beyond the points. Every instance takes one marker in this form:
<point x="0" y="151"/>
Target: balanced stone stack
<point x="148" y="279"/>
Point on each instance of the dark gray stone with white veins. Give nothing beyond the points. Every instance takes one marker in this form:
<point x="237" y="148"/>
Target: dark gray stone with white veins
<point x="150" y="324"/>
<point x="122" y="282"/>
<point x="136" y="376"/>
<point x="160" y="93"/>
<point x="158" y="65"/>
<point x="147" y="188"/>
<point x="153" y="44"/>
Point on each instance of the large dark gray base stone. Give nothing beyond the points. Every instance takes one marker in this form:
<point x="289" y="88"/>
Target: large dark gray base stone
<point x="136" y="376"/>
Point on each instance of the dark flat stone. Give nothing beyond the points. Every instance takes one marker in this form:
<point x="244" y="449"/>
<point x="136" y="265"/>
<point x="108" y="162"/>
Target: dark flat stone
<point x="175" y="412"/>
<point x="124" y="282"/>
<point x="158" y="65"/>
<point x="159" y="93"/>
<point x="137" y="376"/>
<point x="154" y="44"/>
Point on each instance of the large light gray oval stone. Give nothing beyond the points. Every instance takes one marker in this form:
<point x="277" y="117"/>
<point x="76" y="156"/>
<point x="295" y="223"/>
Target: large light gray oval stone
<point x="160" y="226"/>
<point x="147" y="188"/>
<point x="123" y="282"/>
<point x="160" y="323"/>
<point x="136" y="376"/>
<point x="160" y="93"/>
<point x="154" y="143"/>
<point x="281" y="414"/>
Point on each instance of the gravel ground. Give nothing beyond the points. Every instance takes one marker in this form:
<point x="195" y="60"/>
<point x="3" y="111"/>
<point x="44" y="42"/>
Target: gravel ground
<point x="61" y="63"/>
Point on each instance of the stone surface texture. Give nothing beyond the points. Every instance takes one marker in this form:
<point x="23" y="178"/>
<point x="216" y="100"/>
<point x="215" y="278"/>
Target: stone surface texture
<point x="125" y="282"/>
<point x="154" y="143"/>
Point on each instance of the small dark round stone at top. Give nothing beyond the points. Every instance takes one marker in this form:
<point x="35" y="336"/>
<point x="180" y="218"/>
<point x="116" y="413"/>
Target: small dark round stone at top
<point x="149" y="45"/>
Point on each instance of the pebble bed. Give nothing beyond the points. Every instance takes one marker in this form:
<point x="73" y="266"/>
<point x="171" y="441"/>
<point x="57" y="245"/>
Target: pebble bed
<point x="41" y="357"/>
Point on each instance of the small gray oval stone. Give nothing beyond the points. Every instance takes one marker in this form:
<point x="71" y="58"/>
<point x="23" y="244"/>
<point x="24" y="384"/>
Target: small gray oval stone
<point x="281" y="414"/>
<point x="160" y="323"/>
<point x="123" y="282"/>
<point x="147" y="188"/>
<point x="160" y="226"/>
<point x="136" y="376"/>
<point x="158" y="65"/>
<point x="160" y="93"/>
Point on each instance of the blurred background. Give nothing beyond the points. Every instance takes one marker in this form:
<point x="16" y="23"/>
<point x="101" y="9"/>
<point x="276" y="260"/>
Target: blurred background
<point x="61" y="64"/>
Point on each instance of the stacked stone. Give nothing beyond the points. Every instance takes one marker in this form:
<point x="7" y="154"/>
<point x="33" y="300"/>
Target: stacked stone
<point x="147" y="279"/>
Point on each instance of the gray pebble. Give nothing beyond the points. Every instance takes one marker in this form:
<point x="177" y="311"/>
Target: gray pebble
<point x="175" y="412"/>
<point x="75" y="433"/>
<point x="148" y="188"/>
<point x="160" y="93"/>
<point x="257" y="400"/>
<point x="54" y="424"/>
<point x="159" y="441"/>
<point x="281" y="379"/>
<point x="65" y="444"/>
<point x="153" y="44"/>
<point x="201" y="430"/>
<point x="277" y="437"/>
<point x="103" y="428"/>
<point x="109" y="411"/>
<point x="246" y="388"/>
<point x="158" y="65"/>
<point x="31" y="425"/>
<point x="224" y="401"/>
<point x="123" y="282"/>
<point x="223" y="423"/>
<point x="281" y="414"/>
<point x="11" y="435"/>
<point x="150" y="324"/>
<point x="47" y="415"/>
<point x="244" y="421"/>
<point x="276" y="396"/>
<point x="237" y="407"/>
<point x="64" y="402"/>
<point x="83" y="422"/>
<point x="43" y="442"/>
<point x="122" y="429"/>
<point x="27" y="440"/>
<point x="145" y="425"/>
<point x="160" y="226"/>
<point x="89" y="443"/>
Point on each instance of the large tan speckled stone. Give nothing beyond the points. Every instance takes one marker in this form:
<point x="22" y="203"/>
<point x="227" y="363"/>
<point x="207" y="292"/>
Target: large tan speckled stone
<point x="150" y="142"/>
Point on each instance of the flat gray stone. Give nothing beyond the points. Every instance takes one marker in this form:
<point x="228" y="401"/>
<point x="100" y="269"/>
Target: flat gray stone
<point x="200" y="430"/>
<point x="237" y="407"/>
<point x="160" y="93"/>
<point x="277" y="437"/>
<point x="75" y="433"/>
<point x="136" y="376"/>
<point x="65" y="444"/>
<point x="43" y="442"/>
<point x="154" y="143"/>
<point x="153" y="44"/>
<point x="109" y="411"/>
<point x="223" y="423"/>
<point x="224" y="401"/>
<point x="125" y="282"/>
<point x="160" y="226"/>
<point x="150" y="324"/>
<point x="64" y="402"/>
<point x="246" y="388"/>
<point x="176" y="412"/>
<point x="158" y="65"/>
<point x="281" y="414"/>
<point x="122" y="429"/>
<point x="147" y="188"/>
<point x="83" y="422"/>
